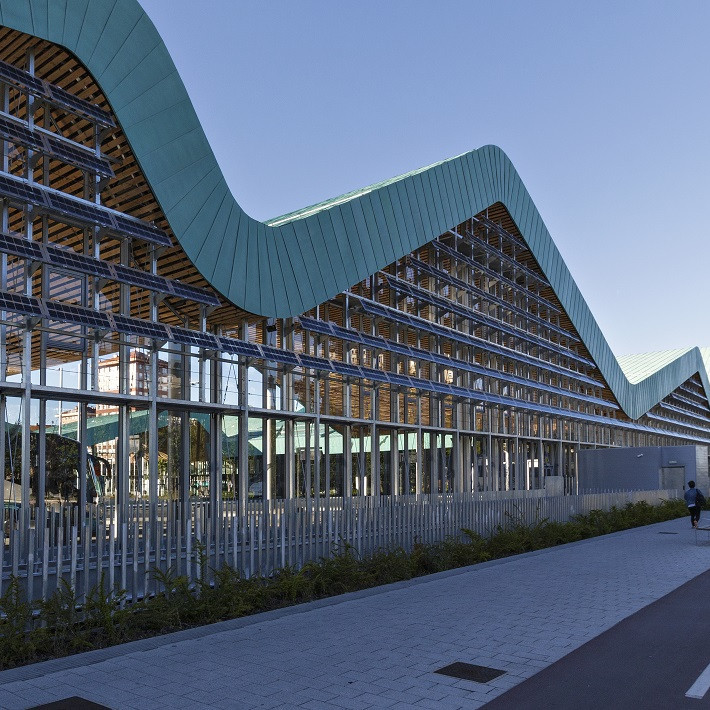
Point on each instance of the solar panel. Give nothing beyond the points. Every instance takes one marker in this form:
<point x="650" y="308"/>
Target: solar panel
<point x="403" y="380"/>
<point x="69" y="259"/>
<point x="48" y="144"/>
<point x="87" y="212"/>
<point x="21" y="78"/>
<point x="137" y="277"/>
<point x="21" y="247"/>
<point x="439" y="274"/>
<point x="317" y="363"/>
<point x="317" y="326"/>
<point x="471" y="340"/>
<point x="77" y="105"/>
<point x="346" y="334"/>
<point x="78" y="314"/>
<point x="493" y="274"/>
<point x="74" y="155"/>
<point x="142" y="230"/>
<point x="78" y="209"/>
<point x="375" y="309"/>
<point x="476" y="317"/>
<point x="279" y="355"/>
<point x="373" y="341"/>
<point x="434" y="357"/>
<point x="470" y="288"/>
<point x="17" y="302"/>
<point x="240" y="347"/>
<point x="504" y="257"/>
<point x="375" y="375"/>
<point x="400" y="349"/>
<point x="684" y="412"/>
<point x="346" y="369"/>
<point x="194" y="293"/>
<point x="500" y="230"/>
<point x="193" y="337"/>
<point x="18" y="132"/>
<point x="21" y="190"/>
<point x="143" y="328"/>
<point x="55" y="94"/>
<point x="81" y="210"/>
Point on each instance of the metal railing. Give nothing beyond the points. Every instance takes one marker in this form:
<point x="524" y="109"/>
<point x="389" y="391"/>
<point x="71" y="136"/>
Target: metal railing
<point x="58" y="544"/>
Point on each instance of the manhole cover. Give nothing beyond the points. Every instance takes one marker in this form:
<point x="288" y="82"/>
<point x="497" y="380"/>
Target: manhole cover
<point x="469" y="671"/>
<point x="74" y="703"/>
<point x="667" y="532"/>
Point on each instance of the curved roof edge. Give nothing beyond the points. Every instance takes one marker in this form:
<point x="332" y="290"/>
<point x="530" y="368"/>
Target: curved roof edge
<point x="311" y="255"/>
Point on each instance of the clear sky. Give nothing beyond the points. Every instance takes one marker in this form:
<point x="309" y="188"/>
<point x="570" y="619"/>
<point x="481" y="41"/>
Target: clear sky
<point x="603" y="107"/>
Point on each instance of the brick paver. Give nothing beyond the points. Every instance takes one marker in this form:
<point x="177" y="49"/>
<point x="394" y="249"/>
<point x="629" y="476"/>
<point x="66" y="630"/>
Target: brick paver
<point x="380" y="649"/>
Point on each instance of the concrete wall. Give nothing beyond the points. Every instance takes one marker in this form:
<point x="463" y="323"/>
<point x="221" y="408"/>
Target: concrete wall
<point x="640" y="468"/>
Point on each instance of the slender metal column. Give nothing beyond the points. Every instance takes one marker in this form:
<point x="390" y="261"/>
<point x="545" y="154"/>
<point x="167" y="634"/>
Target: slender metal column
<point x="26" y="432"/>
<point x="243" y="426"/>
<point x="326" y="459"/>
<point x="3" y="328"/>
<point x="456" y="455"/>
<point x="488" y="465"/>
<point x="419" y="467"/>
<point x="289" y="460"/>
<point x="287" y="398"/>
<point x="27" y="341"/>
<point x="434" y="472"/>
<point x="215" y="464"/>
<point x="375" y="472"/>
<point x="185" y="440"/>
<point x="153" y="394"/>
<point x="216" y="453"/>
<point x="3" y="439"/>
<point x="124" y="386"/>
<point x="305" y="456"/>
<point x="394" y="462"/>
<point x="317" y="453"/>
<point x="83" y="384"/>
<point x="466" y="445"/>
<point x="347" y="462"/>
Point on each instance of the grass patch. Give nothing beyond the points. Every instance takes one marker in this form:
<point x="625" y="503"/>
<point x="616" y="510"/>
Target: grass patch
<point x="31" y="632"/>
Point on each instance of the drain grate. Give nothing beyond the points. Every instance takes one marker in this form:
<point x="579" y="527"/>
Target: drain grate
<point x="469" y="671"/>
<point x="666" y="532"/>
<point x="73" y="703"/>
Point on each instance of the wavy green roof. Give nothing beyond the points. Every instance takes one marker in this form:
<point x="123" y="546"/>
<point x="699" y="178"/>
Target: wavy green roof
<point x="291" y="264"/>
<point x="642" y="365"/>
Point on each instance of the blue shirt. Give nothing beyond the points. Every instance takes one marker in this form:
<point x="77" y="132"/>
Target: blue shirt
<point x="691" y="496"/>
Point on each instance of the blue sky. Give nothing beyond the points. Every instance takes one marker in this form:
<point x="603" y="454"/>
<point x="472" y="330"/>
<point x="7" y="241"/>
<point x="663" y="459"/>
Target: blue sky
<point x="603" y="108"/>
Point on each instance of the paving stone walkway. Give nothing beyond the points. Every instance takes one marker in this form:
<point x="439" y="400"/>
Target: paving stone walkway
<point x="380" y="648"/>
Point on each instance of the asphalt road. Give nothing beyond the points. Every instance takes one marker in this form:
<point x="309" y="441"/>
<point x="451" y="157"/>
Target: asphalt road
<point x="646" y="662"/>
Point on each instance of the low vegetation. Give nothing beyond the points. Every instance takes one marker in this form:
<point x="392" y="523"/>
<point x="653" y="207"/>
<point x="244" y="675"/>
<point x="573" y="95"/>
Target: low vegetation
<point x="32" y="632"/>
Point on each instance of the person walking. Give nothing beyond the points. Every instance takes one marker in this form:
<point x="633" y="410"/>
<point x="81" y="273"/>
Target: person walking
<point x="694" y="499"/>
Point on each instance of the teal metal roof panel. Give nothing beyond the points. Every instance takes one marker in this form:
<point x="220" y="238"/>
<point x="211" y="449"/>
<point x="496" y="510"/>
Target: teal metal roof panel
<point x="420" y="188"/>
<point x="374" y="255"/>
<point x="385" y="238"/>
<point x="304" y="243"/>
<point x="56" y="12"/>
<point x="40" y="16"/>
<point x="293" y="263"/>
<point x="364" y="205"/>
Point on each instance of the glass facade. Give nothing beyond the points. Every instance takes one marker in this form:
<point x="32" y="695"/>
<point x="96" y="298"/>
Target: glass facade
<point x="124" y="377"/>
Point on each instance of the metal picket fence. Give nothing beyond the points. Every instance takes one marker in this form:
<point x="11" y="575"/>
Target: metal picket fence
<point x="58" y="543"/>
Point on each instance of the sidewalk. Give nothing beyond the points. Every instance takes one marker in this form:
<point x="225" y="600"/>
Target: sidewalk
<point x="380" y="648"/>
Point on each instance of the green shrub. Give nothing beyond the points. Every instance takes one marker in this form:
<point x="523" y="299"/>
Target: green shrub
<point x="60" y="625"/>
